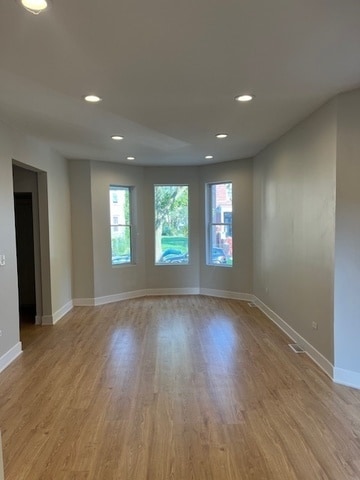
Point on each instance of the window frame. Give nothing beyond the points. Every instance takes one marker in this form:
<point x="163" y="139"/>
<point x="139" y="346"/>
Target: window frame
<point x="130" y="226"/>
<point x="210" y="224"/>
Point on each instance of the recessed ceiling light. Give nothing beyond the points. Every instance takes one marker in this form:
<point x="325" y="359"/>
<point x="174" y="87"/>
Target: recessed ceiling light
<point x="130" y="158"/>
<point x="209" y="157"/>
<point x="221" y="135"/>
<point x="244" y="98"/>
<point x="92" y="98"/>
<point x="117" y="137"/>
<point x="35" y="6"/>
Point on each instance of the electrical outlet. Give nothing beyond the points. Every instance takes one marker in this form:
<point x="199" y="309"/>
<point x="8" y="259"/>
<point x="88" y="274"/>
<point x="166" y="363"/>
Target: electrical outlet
<point x="2" y="260"/>
<point x="314" y="325"/>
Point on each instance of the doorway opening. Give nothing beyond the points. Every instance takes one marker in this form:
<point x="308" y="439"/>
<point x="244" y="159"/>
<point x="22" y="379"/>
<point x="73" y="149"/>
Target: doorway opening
<point x="24" y="229"/>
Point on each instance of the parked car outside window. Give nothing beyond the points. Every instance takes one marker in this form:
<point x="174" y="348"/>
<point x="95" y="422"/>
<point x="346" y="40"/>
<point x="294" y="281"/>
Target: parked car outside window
<point x="180" y="258"/>
<point x="169" y="251"/>
<point x="218" y="255"/>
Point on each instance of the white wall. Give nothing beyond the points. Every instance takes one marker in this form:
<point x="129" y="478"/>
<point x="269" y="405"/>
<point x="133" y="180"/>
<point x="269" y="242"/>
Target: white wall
<point x="81" y="230"/>
<point x="9" y="316"/>
<point x="347" y="243"/>
<point x="14" y="145"/>
<point x="294" y="227"/>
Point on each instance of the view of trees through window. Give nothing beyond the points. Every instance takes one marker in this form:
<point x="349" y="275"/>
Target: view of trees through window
<point x="120" y="225"/>
<point x="220" y="245"/>
<point x="171" y="224"/>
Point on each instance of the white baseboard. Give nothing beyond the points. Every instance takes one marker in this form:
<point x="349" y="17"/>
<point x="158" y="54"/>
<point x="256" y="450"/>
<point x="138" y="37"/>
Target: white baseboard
<point x="246" y="297"/>
<point x="47" y="320"/>
<point x="347" y="377"/>
<point x="10" y="356"/>
<point x="118" y="297"/>
<point x="171" y="291"/>
<point x="90" y="302"/>
<point x="316" y="356"/>
<point x="62" y="311"/>
<point x="84" y="302"/>
<point x="55" y="317"/>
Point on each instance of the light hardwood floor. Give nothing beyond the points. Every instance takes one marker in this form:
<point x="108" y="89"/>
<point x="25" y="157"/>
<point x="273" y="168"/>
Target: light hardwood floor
<point x="180" y="388"/>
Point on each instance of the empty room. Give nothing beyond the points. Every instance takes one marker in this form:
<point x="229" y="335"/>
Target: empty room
<point x="179" y="240"/>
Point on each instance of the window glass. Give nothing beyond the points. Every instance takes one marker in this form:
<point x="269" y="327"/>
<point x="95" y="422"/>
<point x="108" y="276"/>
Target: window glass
<point x="220" y="245"/>
<point x="171" y="224"/>
<point x="120" y="225"/>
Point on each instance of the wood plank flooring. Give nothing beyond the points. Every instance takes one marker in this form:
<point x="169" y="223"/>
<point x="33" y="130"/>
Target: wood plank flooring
<point x="178" y="388"/>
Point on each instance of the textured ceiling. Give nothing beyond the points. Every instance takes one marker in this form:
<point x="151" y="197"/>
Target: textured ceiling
<point x="168" y="73"/>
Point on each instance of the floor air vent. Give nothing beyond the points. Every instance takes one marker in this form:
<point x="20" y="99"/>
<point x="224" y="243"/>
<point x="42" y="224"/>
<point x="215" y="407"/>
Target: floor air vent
<point x="296" y="348"/>
<point x="251" y="304"/>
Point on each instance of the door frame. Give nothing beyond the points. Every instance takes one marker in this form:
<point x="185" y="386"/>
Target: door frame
<point x="41" y="243"/>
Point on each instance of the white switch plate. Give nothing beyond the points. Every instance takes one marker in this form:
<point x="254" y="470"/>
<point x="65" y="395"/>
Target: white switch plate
<point x="2" y="260"/>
